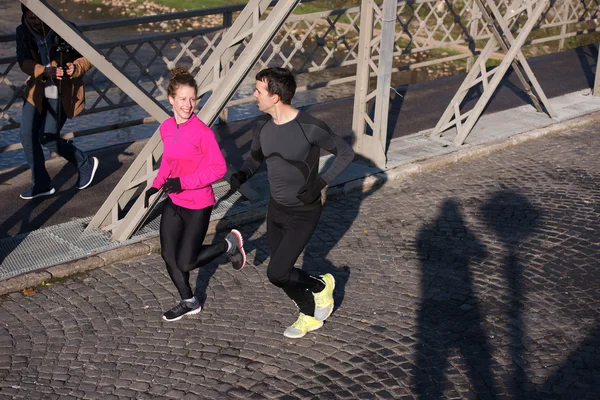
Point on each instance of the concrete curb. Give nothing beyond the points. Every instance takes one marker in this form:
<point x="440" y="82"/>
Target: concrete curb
<point x="152" y="245"/>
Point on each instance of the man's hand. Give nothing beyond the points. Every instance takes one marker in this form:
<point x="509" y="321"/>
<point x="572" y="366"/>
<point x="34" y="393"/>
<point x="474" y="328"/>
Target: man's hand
<point x="53" y="73"/>
<point x="172" y="185"/>
<point x="237" y="180"/>
<point x="149" y="193"/>
<point x="310" y="194"/>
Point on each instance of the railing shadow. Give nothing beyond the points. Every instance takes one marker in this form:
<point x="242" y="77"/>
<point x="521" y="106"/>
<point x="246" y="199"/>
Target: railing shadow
<point x="234" y="139"/>
<point x="257" y="246"/>
<point x="8" y="175"/>
<point x="585" y="55"/>
<point x="509" y="85"/>
<point x="396" y="102"/>
<point x="34" y="214"/>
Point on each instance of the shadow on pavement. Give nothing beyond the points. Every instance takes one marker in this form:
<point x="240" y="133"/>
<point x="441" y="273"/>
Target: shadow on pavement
<point x="34" y="214"/>
<point x="577" y="375"/>
<point x="333" y="225"/>
<point x="512" y="218"/>
<point x="588" y="58"/>
<point x="223" y="227"/>
<point x="7" y="176"/>
<point x="449" y="318"/>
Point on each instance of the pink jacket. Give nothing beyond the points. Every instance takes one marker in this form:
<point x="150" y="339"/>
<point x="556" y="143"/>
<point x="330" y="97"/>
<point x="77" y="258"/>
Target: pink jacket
<point x="191" y="153"/>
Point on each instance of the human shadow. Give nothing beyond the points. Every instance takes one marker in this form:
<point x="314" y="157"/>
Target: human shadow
<point x="577" y="377"/>
<point x="512" y="218"/>
<point x="28" y="217"/>
<point x="336" y="219"/>
<point x="449" y="318"/>
<point x="223" y="227"/>
<point x="34" y="214"/>
<point x="234" y="140"/>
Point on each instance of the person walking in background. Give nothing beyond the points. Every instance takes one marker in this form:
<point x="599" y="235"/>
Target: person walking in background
<point x="53" y="93"/>
<point x="291" y="141"/>
<point x="192" y="161"/>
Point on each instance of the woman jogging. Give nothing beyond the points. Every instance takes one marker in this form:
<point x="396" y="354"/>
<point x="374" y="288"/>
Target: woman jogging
<point x="191" y="163"/>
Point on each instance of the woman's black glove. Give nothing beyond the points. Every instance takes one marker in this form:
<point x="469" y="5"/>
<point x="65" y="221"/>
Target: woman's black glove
<point x="149" y="193"/>
<point x="237" y="180"/>
<point x="310" y="194"/>
<point x="172" y="185"/>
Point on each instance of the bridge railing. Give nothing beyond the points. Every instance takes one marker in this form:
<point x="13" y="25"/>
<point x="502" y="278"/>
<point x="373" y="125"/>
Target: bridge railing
<point x="434" y="38"/>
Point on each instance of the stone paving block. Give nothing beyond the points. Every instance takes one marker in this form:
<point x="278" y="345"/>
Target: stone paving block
<point x="476" y="280"/>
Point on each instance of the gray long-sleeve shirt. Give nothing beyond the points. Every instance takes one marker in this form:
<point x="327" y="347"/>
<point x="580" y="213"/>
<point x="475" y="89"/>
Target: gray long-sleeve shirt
<point x="292" y="152"/>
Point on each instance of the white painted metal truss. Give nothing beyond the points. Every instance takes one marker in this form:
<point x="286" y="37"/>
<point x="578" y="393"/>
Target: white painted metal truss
<point x="486" y="80"/>
<point x="123" y="209"/>
<point x="597" y="79"/>
<point x="375" y="56"/>
<point x="430" y="34"/>
<point x="310" y="44"/>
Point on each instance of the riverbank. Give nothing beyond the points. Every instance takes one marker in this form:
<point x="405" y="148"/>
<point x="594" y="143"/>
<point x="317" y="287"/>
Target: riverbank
<point x="115" y="9"/>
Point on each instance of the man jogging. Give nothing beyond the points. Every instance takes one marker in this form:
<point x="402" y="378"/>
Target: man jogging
<point x="290" y="141"/>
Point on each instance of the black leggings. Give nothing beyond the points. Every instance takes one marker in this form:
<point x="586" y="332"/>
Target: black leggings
<point x="288" y="232"/>
<point x="182" y="232"/>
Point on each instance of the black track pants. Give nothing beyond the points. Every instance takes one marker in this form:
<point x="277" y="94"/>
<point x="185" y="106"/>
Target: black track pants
<point x="288" y="232"/>
<point x="182" y="232"/>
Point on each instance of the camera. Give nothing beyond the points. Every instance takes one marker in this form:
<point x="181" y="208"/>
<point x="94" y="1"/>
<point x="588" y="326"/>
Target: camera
<point x="62" y="48"/>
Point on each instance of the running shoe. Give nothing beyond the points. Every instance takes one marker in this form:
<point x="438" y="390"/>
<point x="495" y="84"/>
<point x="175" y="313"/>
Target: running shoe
<point x="236" y="253"/>
<point x="324" y="299"/>
<point x="87" y="173"/>
<point x="304" y="323"/>
<point x="181" y="309"/>
<point x="34" y="192"/>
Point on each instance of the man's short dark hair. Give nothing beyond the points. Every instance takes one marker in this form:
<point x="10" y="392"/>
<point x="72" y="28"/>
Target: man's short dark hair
<point x="280" y="81"/>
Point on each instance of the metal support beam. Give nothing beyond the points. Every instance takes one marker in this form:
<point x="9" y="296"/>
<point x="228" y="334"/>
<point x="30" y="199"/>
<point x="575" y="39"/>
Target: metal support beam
<point x="360" y="116"/>
<point x="211" y="74"/>
<point x="596" y="90"/>
<point x="262" y="34"/>
<point x="142" y="171"/>
<point x="384" y="81"/>
<point x="374" y="147"/>
<point x="499" y="26"/>
<point x="520" y="64"/>
<point x="65" y="30"/>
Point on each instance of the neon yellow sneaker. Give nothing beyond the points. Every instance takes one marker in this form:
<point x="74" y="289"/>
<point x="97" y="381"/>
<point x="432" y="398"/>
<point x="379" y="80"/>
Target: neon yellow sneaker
<point x="304" y="323"/>
<point x="324" y="299"/>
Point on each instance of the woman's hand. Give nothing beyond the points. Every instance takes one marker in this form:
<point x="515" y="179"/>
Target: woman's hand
<point x="70" y="69"/>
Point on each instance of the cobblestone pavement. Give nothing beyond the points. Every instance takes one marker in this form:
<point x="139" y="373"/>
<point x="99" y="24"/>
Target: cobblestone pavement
<point x="479" y="280"/>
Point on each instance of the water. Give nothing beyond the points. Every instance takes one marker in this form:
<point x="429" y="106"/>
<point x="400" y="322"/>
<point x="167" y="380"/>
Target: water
<point x="82" y="12"/>
<point x="79" y="12"/>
